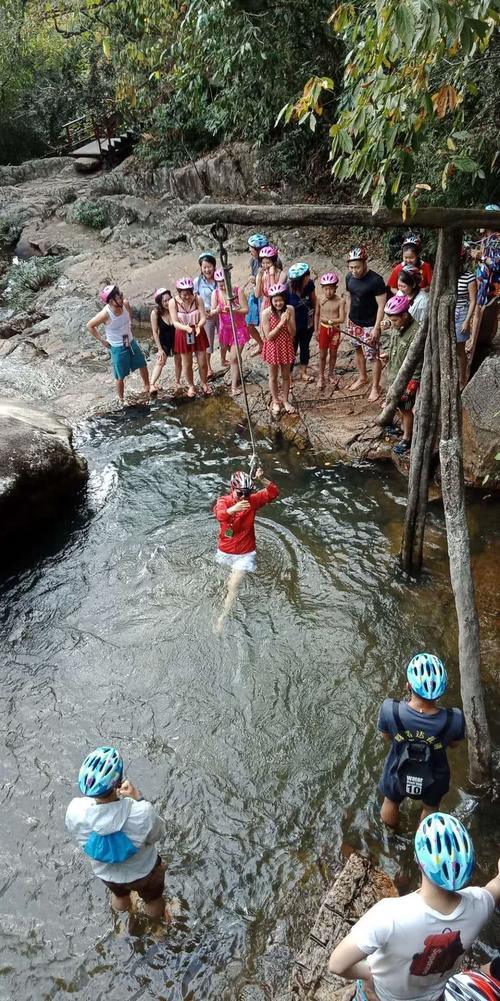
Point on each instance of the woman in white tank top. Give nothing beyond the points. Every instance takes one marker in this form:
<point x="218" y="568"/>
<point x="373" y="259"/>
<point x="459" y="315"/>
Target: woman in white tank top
<point x="126" y="355"/>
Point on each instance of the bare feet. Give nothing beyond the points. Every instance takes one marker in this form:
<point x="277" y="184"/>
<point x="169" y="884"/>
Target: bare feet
<point x="359" y="383"/>
<point x="191" y="392"/>
<point x="375" y="394"/>
<point x="208" y="391"/>
<point x="275" y="409"/>
<point x="321" y="383"/>
<point x="288" y="407"/>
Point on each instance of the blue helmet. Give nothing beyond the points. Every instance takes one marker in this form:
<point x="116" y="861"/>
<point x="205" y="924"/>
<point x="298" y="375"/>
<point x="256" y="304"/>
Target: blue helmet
<point x="427" y="676"/>
<point x="492" y="208"/>
<point x="444" y="851"/>
<point x="258" y="240"/>
<point x="298" y="270"/>
<point x="207" y="255"/>
<point x="101" y="771"/>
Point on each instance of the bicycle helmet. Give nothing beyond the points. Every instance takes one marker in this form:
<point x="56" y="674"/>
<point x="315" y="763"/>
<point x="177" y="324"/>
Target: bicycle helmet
<point x="241" y="481"/>
<point x="471" y="985"/>
<point x="268" y="252"/>
<point x="106" y="293"/>
<point x="278" y="289"/>
<point x="492" y="208"/>
<point x="412" y="240"/>
<point x="258" y="240"/>
<point x="329" y="278"/>
<point x="426" y="673"/>
<point x="101" y="771"/>
<point x="412" y="272"/>
<point x="219" y="275"/>
<point x="207" y="256"/>
<point x="397" y="305"/>
<point x="185" y="284"/>
<point x="358" y="254"/>
<point x="158" y="293"/>
<point x="298" y="270"/>
<point x="444" y="851"/>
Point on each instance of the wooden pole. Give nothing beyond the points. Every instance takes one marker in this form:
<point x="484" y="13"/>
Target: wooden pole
<point x="341" y="215"/>
<point x="452" y="485"/>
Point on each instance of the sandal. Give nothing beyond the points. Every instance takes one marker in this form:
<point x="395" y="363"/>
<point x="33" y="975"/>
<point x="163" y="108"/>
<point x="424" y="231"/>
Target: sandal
<point x="402" y="448"/>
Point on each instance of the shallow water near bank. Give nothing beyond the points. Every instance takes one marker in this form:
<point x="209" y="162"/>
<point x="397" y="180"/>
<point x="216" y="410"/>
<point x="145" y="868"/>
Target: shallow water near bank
<point x="258" y="748"/>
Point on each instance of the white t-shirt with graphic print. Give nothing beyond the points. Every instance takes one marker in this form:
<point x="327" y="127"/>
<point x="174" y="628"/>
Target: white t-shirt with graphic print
<point x="412" y="949"/>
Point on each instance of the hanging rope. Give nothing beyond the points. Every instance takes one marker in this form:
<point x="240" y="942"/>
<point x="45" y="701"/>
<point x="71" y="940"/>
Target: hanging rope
<point x="220" y="234"/>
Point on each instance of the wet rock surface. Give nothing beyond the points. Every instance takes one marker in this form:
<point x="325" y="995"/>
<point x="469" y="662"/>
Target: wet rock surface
<point x="39" y="471"/>
<point x="481" y="425"/>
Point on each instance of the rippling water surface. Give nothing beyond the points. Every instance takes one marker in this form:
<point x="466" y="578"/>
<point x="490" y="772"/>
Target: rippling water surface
<point x="259" y="748"/>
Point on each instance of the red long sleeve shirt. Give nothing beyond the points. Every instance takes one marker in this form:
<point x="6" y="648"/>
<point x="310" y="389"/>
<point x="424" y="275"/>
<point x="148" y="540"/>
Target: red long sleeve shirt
<point x="241" y="525"/>
<point x="425" y="275"/>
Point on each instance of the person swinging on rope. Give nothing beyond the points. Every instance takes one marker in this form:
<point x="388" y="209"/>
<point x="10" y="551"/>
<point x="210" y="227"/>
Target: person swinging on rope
<point x="236" y="545"/>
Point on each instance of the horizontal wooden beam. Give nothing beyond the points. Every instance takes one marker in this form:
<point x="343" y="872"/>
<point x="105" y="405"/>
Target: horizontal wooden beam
<point x="264" y="216"/>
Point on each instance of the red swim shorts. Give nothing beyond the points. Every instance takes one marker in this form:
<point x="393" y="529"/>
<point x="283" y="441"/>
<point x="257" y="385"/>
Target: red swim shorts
<point x="329" y="337"/>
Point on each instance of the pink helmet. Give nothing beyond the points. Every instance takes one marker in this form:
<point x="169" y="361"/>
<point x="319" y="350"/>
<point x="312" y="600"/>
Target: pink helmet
<point x="397" y="305"/>
<point x="219" y="275"/>
<point x="106" y="293"/>
<point x="278" y="289"/>
<point x="268" y="252"/>
<point x="329" y="278"/>
<point x="185" y="283"/>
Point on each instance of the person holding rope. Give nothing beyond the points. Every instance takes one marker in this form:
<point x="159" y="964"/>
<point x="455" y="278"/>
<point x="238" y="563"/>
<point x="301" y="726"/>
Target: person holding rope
<point x="126" y="355"/>
<point x="220" y="308"/>
<point x="366" y="294"/>
<point x="236" y="545"/>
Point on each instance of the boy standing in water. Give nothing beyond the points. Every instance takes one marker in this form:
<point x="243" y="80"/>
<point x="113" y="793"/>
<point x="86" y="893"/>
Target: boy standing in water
<point x="118" y="830"/>
<point x="236" y="545"/>
<point x="330" y="313"/>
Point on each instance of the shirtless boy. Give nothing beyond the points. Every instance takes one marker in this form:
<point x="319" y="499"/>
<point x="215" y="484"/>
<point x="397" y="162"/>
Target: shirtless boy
<point x="330" y="313"/>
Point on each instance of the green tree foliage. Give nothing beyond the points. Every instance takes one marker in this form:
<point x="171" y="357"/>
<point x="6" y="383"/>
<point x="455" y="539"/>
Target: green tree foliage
<point x="413" y="89"/>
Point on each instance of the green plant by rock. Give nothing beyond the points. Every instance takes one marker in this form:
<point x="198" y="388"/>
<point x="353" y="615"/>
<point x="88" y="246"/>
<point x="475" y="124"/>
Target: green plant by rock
<point x="91" y="214"/>
<point x="23" y="280"/>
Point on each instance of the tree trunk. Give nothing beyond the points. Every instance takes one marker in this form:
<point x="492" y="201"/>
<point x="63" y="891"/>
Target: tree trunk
<point x="452" y="484"/>
<point x="341" y="215"/>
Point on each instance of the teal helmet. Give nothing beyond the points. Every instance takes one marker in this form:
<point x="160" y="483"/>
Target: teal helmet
<point x="207" y="255"/>
<point x="257" y="241"/>
<point x="101" y="772"/>
<point x="426" y="673"/>
<point x="444" y="851"/>
<point x="298" y="270"/>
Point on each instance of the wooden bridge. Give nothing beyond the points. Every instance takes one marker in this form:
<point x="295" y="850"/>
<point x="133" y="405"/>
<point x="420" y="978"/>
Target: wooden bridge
<point x="91" y="142"/>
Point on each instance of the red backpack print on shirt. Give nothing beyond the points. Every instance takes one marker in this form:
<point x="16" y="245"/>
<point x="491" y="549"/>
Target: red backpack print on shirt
<point x="440" y="954"/>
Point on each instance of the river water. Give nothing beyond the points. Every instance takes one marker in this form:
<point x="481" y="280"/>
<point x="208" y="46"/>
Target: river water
<point x="259" y="748"/>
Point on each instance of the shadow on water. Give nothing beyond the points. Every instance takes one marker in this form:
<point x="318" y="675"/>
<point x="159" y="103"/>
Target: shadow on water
<point x="259" y="748"/>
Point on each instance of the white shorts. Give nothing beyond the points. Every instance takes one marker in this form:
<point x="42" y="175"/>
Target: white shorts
<point x="243" y="561"/>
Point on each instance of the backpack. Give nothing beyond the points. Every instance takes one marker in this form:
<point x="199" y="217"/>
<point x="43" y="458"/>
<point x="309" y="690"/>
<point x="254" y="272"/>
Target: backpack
<point x="415" y="769"/>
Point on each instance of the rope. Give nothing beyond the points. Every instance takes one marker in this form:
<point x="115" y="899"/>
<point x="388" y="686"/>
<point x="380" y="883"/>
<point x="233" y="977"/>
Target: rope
<point x="220" y="234"/>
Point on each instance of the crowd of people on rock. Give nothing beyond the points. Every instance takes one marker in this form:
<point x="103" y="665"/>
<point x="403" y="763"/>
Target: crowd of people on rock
<point x="404" y="948"/>
<point x="280" y="310"/>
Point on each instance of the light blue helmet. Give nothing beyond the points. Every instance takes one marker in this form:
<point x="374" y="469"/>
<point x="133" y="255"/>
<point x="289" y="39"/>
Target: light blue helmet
<point x="298" y="270"/>
<point x="492" y="208"/>
<point x="444" y="851"/>
<point x="207" y="255"/>
<point x="427" y="676"/>
<point x="101" y="771"/>
<point x="258" y="240"/>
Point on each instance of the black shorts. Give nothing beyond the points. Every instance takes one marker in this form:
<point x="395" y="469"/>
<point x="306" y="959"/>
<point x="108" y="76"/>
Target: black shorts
<point x="167" y="341"/>
<point x="433" y="795"/>
<point x="148" y="887"/>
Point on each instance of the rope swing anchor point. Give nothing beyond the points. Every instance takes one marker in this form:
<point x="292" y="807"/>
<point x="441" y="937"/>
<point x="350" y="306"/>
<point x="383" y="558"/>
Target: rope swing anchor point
<point x="220" y="235"/>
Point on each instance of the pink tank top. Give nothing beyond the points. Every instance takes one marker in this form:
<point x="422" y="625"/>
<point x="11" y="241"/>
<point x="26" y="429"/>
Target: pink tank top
<point x="191" y="317"/>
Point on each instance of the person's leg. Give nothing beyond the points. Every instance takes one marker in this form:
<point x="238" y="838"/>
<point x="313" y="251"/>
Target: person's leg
<point x="121" y="903"/>
<point x="407" y="423"/>
<point x="332" y="362"/>
<point x="273" y="388"/>
<point x="322" y="365"/>
<point x="462" y="363"/>
<point x="120" y="388"/>
<point x="233" y="585"/>
<point x="389" y="812"/>
<point x="376" y="374"/>
<point x="359" y="359"/>
<point x="187" y="371"/>
<point x="235" y="371"/>
<point x="157" y="909"/>
<point x="178" y="369"/>
<point x="285" y="388"/>
<point x="254" y="334"/>
<point x="201" y="357"/>
<point x="144" y="374"/>
<point x="427" y="809"/>
<point x="305" y="353"/>
<point x="155" y="375"/>
<point x="210" y="332"/>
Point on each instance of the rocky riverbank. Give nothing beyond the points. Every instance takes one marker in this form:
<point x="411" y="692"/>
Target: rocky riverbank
<point x="144" y="240"/>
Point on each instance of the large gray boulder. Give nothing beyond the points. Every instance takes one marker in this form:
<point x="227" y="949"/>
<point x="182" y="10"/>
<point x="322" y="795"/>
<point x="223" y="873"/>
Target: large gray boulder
<point x="39" y="470"/>
<point x="481" y="425"/>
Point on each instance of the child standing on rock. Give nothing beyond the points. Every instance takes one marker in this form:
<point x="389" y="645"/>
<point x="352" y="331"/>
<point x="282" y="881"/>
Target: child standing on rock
<point x="126" y="355"/>
<point x="220" y="308"/>
<point x="164" y="337"/>
<point x="188" y="317"/>
<point x="329" y="315"/>
<point x="278" y="325"/>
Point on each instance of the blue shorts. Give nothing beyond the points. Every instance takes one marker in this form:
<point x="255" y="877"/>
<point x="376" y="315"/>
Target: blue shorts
<point x="460" y="314"/>
<point x="253" y="315"/>
<point x="126" y="360"/>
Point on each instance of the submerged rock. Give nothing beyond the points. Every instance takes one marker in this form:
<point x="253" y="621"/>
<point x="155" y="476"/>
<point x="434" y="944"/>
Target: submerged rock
<point x="39" y="470"/>
<point x="481" y="425"/>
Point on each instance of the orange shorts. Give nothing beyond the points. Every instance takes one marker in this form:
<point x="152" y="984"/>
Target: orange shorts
<point x="329" y="337"/>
